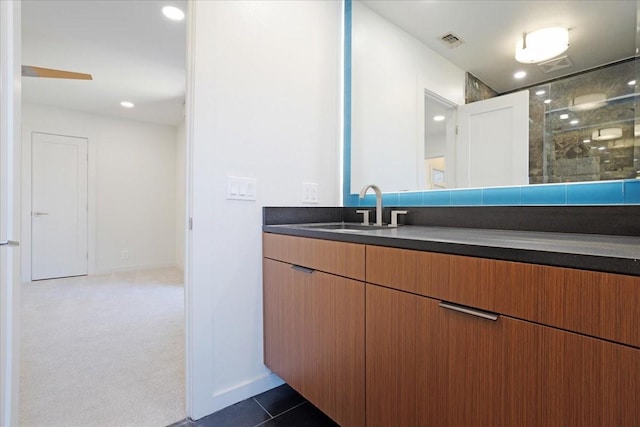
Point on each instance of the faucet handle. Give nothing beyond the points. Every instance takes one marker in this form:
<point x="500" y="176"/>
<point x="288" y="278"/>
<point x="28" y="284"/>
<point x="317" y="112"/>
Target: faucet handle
<point x="394" y="217"/>
<point x="365" y="216"/>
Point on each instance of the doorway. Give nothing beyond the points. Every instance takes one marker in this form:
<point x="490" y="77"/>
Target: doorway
<point x="439" y="140"/>
<point x="133" y="196"/>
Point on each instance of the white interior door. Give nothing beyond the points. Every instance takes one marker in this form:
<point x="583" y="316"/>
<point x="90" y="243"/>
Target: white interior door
<point x="59" y="206"/>
<point x="493" y="142"/>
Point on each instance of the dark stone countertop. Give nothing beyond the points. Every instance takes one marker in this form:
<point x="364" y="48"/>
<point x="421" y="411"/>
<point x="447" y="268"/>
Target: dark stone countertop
<point x="608" y="253"/>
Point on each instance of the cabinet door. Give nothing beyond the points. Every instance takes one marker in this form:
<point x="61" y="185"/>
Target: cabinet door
<point x="391" y="357"/>
<point x="284" y="321"/>
<point x="431" y="364"/>
<point x="493" y="370"/>
<point x="349" y="351"/>
<point x="314" y="337"/>
<point x="589" y="382"/>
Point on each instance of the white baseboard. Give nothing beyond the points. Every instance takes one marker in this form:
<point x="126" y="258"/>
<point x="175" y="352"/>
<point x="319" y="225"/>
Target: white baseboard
<point x="241" y="392"/>
<point x="110" y="270"/>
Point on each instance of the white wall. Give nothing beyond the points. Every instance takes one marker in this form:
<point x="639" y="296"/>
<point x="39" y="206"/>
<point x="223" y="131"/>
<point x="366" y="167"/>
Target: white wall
<point x="132" y="187"/>
<point x="266" y="105"/>
<point x="390" y="71"/>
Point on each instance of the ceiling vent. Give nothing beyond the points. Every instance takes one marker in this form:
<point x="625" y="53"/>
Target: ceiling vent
<point x="451" y="40"/>
<point x="555" y="64"/>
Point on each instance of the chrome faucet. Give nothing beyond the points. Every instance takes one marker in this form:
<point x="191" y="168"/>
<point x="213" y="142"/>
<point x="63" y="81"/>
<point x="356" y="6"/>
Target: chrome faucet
<point x="378" y="201"/>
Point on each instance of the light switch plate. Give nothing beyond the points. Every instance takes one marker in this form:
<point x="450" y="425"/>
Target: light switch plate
<point x="241" y="188"/>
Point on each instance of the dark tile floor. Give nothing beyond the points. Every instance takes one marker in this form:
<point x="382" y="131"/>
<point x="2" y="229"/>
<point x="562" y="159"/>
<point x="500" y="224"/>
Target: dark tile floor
<point x="281" y="407"/>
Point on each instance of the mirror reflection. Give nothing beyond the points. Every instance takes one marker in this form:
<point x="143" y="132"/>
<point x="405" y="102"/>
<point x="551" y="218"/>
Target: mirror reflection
<point x="436" y="104"/>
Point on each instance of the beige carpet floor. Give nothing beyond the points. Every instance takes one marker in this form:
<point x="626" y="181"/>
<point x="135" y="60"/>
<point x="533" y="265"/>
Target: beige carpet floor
<point x="105" y="350"/>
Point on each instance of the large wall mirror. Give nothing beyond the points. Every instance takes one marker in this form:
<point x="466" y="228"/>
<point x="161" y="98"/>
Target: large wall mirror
<point x="433" y="101"/>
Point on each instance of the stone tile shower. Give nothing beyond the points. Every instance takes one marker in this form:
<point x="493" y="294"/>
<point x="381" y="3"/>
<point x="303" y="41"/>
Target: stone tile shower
<point x="581" y="127"/>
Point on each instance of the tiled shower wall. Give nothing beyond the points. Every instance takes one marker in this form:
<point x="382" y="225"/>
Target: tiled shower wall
<point x="561" y="147"/>
<point x="565" y="151"/>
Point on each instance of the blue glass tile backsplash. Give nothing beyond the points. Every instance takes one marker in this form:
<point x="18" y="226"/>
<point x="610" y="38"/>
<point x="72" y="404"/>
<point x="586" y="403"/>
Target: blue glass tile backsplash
<point x="591" y="193"/>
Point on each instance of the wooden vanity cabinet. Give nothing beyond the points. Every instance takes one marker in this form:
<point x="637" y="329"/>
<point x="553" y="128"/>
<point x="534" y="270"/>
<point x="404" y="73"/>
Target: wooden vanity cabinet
<point x="314" y="323"/>
<point x="505" y="372"/>
<point x="560" y="347"/>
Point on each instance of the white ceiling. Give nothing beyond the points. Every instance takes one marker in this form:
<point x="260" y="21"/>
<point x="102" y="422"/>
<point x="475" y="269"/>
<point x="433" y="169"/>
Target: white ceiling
<point x="133" y="52"/>
<point x="601" y="32"/>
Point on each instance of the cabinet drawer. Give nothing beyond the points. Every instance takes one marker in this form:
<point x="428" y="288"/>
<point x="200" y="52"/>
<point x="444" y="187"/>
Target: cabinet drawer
<point x="393" y="268"/>
<point x="343" y="259"/>
<point x="599" y="304"/>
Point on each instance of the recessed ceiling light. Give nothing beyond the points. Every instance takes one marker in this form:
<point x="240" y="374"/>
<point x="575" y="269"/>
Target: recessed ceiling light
<point x="540" y="92"/>
<point x="173" y="13"/>
<point x="127" y="104"/>
<point x="547" y="101"/>
<point x="632" y="83"/>
<point x="602" y="148"/>
<point x="564" y="116"/>
<point x="520" y="75"/>
<point x="438" y="118"/>
<point x="574" y="121"/>
<point x="586" y="141"/>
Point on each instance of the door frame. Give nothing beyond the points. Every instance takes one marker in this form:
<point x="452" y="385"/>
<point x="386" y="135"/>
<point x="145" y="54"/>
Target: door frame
<point x="10" y="110"/>
<point x="10" y="223"/>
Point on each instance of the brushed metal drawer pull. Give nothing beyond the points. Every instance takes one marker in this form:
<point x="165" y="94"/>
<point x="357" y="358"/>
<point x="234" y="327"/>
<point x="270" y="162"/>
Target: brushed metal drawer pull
<point x="303" y="269"/>
<point x="478" y="313"/>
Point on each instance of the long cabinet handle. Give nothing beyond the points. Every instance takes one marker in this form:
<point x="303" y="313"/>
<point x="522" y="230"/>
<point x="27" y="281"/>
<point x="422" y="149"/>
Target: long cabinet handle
<point x="9" y="243"/>
<point x="472" y="311"/>
<point x="303" y="269"/>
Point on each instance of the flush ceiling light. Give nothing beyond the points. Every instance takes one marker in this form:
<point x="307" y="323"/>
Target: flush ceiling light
<point x="541" y="45"/>
<point x="636" y="130"/>
<point x="540" y="92"/>
<point x="520" y="74"/>
<point x="564" y="116"/>
<point x="438" y="118"/>
<point x="547" y="101"/>
<point x="590" y="101"/>
<point x="173" y="13"/>
<point x="606" y="134"/>
<point x="127" y="104"/>
<point x="632" y="83"/>
<point x="574" y="122"/>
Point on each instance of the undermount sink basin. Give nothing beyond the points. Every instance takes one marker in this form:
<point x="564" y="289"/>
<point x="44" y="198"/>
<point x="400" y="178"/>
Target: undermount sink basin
<point x="346" y="226"/>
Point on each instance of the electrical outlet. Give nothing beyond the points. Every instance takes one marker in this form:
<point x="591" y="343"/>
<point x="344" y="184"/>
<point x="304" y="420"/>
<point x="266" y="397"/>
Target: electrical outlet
<point x="125" y="254"/>
<point x="309" y="192"/>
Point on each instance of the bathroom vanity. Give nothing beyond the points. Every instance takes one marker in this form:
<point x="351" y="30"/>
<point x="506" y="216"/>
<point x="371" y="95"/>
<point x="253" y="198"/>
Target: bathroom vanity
<point x="454" y="325"/>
